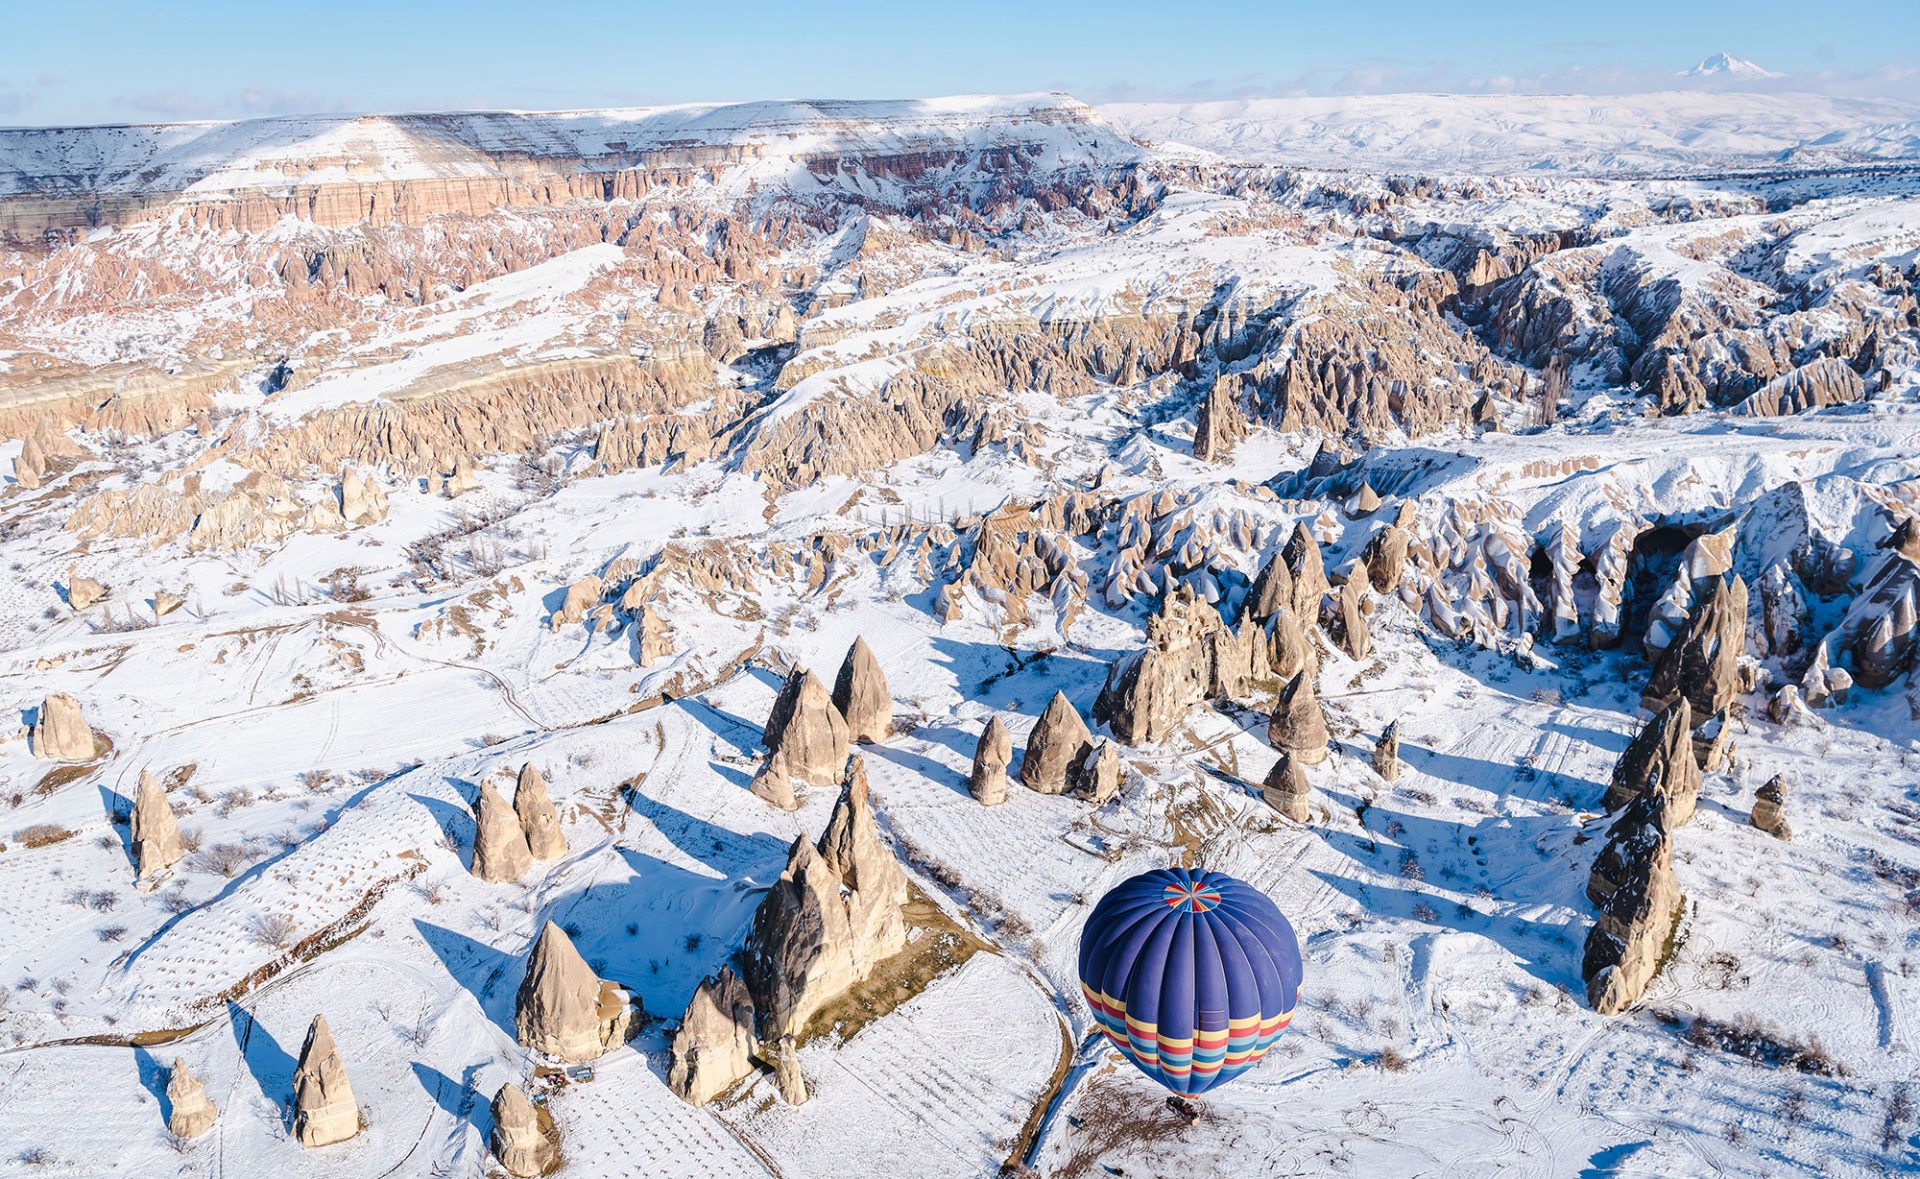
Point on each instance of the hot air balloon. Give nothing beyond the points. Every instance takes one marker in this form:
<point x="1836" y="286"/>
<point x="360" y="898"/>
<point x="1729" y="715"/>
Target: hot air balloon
<point x="1192" y="974"/>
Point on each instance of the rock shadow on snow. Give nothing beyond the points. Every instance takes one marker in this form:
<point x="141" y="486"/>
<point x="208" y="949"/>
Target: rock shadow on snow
<point x="490" y="975"/>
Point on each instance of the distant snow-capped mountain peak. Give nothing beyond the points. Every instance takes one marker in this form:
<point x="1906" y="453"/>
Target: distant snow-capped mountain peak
<point x="1726" y="65"/>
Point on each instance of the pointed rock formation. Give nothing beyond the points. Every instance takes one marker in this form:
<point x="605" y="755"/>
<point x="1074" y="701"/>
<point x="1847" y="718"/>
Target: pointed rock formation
<point x="991" y="757"/>
<point x="1713" y="742"/>
<point x="563" y="1009"/>
<point x="83" y="592"/>
<point x="808" y="730"/>
<point x="1218" y="425"/>
<point x="786" y="1072"/>
<point x="713" y="1047"/>
<point x="655" y="641"/>
<point x="1308" y="571"/>
<point x="1624" y="846"/>
<point x="1298" y="726"/>
<point x="1272" y="590"/>
<point x="1702" y="663"/>
<point x="1386" y="553"/>
<point x="1770" y="808"/>
<point x="1057" y="743"/>
<point x="462" y="478"/>
<point x="1365" y="502"/>
<point x="165" y="603"/>
<point x="517" y="1141"/>
<point x="834" y="914"/>
<point x="60" y="731"/>
<point x="1354" y="637"/>
<point x="190" y="1114"/>
<point x="1628" y="941"/>
<point x="581" y="597"/>
<point x="1386" y="753"/>
<point x="1660" y="761"/>
<point x="1096" y="777"/>
<point x="324" y="1111"/>
<point x="30" y="465"/>
<point x="500" y="851"/>
<point x="860" y="693"/>
<point x="537" y="818"/>
<point x="1289" y="650"/>
<point x="156" y="837"/>
<point x="773" y="784"/>
<point x="1287" y="790"/>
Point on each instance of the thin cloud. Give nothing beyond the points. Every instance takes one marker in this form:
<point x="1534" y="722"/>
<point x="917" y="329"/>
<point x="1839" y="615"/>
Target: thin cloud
<point x="172" y="104"/>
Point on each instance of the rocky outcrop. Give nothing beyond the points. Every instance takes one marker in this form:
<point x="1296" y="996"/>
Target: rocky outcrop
<point x="834" y="914"/>
<point x="1307" y="570"/>
<point x="1385" y="555"/>
<point x="1386" y="753"/>
<point x="1289" y="649"/>
<point x="563" y="1009"/>
<point x="165" y="603"/>
<point x="1219" y="425"/>
<point x="500" y="851"/>
<point x="1822" y="383"/>
<point x="1769" y="812"/>
<point x="1298" y="727"/>
<point x="1287" y="790"/>
<point x="787" y="1077"/>
<point x="860" y="693"/>
<point x="1703" y="662"/>
<point x="1659" y="760"/>
<point x="516" y="1139"/>
<point x="808" y="731"/>
<point x="1636" y="922"/>
<point x="581" y="597"/>
<point x="60" y="731"/>
<point x="1351" y="631"/>
<point x="83" y="592"/>
<point x="988" y="780"/>
<point x="1879" y="630"/>
<point x="537" y="818"/>
<point x="324" y="1111"/>
<point x="189" y="1112"/>
<point x="713" y="1046"/>
<point x="1191" y="655"/>
<point x="772" y="784"/>
<point x="1058" y="742"/>
<point x="1096" y="777"/>
<point x="155" y="834"/>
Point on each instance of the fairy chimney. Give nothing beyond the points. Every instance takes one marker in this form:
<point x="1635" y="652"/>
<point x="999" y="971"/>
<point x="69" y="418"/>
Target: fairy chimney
<point x="773" y="784"/>
<point x="563" y="1009"/>
<point x="1308" y="571"/>
<point x="808" y="730"/>
<point x="156" y="837"/>
<point x="988" y="781"/>
<point x="190" y="1114"/>
<point x="60" y="732"/>
<point x="324" y="1111"/>
<point x="1386" y="753"/>
<point x="1298" y="726"/>
<point x="1624" y="949"/>
<point x="1057" y="743"/>
<point x="786" y="1072"/>
<point x="1096" y="776"/>
<point x="537" y="818"/>
<point x="1660" y="759"/>
<point x="713" y="1047"/>
<point x="83" y="592"/>
<point x="1354" y="637"/>
<point x="1770" y="808"/>
<point x="1287" y="790"/>
<point x="500" y="851"/>
<point x="517" y="1141"/>
<point x="860" y="693"/>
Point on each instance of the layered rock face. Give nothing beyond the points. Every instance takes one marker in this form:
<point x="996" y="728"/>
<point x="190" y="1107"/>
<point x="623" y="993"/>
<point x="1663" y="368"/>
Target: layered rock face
<point x="807" y="731"/>
<point x="516" y="1140"/>
<point x="60" y="732"/>
<point x="563" y="1009"/>
<point x="714" y="1045"/>
<point x="1642" y="907"/>
<point x="324" y="1111"/>
<point x="1058" y="743"/>
<point x="156" y="836"/>
<point x="1191" y="655"/>
<point x="1298" y="727"/>
<point x="1660" y="760"/>
<point x="538" y="821"/>
<point x="190" y="1114"/>
<point x="987" y="781"/>
<point x="834" y="914"/>
<point x="860" y="694"/>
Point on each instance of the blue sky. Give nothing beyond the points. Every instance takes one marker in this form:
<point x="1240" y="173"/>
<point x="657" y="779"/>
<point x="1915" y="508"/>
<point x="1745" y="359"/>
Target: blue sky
<point x="85" y="61"/>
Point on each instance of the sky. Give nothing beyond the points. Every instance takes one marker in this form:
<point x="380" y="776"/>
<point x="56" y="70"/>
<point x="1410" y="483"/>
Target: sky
<point x="86" y="61"/>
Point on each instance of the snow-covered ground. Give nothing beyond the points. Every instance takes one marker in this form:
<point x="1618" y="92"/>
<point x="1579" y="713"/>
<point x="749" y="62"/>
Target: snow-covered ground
<point x="324" y="748"/>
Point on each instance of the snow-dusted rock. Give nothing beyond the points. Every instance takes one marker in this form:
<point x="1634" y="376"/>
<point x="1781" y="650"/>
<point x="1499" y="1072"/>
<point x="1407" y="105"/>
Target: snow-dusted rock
<point x="538" y="821"/>
<point x="860" y="694"/>
<point x="713" y="1046"/>
<point x="987" y="781"/>
<point x="60" y="732"/>
<point x="1298" y="727"/>
<point x="563" y="1009"/>
<point x="516" y="1140"/>
<point x="500" y="851"/>
<point x="324" y="1111"/>
<point x="155" y="834"/>
<point x="1058" y="742"/>
<point x="189" y="1112"/>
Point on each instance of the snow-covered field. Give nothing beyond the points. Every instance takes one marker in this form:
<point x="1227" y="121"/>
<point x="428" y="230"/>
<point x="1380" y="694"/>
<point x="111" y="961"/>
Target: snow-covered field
<point x="324" y="746"/>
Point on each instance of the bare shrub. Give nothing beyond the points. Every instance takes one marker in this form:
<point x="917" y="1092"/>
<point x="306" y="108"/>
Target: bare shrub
<point x="273" y="929"/>
<point x="111" y="933"/>
<point x="42" y="834"/>
<point x="225" y="858"/>
<point x="1390" y="1059"/>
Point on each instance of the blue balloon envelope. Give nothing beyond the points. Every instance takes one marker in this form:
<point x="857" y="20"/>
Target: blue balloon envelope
<point x="1192" y="974"/>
